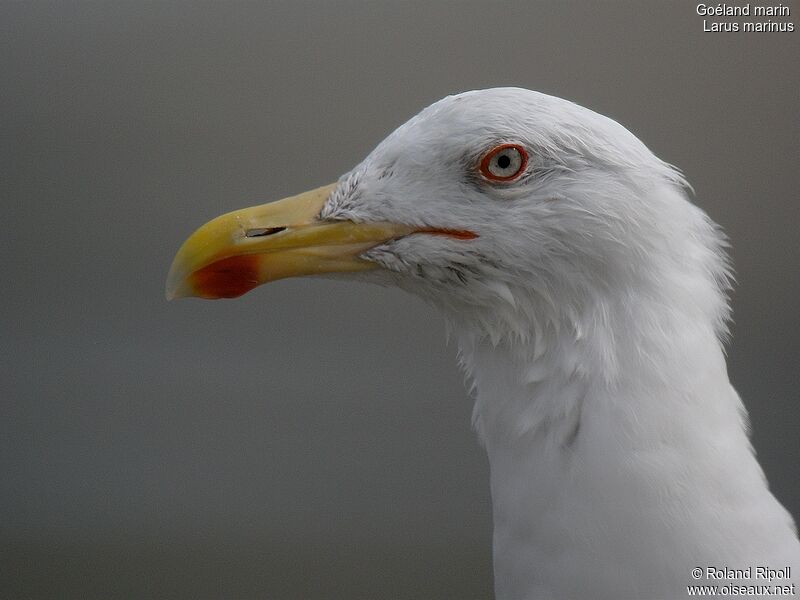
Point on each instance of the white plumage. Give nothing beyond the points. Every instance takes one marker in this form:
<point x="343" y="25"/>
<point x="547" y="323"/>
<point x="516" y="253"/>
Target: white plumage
<point x="589" y="314"/>
<point x="589" y="303"/>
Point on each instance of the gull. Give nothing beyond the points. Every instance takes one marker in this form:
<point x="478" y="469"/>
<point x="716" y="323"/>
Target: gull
<point x="589" y="299"/>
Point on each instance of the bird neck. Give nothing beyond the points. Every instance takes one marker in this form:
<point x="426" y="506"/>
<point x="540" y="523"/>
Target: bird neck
<point x="616" y="414"/>
<point x="612" y="351"/>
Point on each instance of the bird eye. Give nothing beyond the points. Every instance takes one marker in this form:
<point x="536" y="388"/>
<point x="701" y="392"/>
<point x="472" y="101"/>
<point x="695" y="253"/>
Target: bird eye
<point x="504" y="163"/>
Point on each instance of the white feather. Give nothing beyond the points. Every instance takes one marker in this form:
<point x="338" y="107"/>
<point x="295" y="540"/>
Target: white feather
<point x="590" y="314"/>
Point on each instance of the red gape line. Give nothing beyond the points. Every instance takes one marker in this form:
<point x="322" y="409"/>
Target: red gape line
<point x="459" y="234"/>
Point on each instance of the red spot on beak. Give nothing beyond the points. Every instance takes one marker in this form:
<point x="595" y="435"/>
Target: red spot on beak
<point x="226" y="278"/>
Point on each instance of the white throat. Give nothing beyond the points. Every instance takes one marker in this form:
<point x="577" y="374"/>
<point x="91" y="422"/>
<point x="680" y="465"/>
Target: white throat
<point x="636" y="477"/>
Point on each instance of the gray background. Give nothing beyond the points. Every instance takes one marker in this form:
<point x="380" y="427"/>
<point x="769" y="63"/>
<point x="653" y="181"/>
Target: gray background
<point x="312" y="440"/>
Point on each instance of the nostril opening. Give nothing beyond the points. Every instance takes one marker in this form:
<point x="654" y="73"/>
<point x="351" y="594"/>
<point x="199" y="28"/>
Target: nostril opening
<point x="263" y="231"/>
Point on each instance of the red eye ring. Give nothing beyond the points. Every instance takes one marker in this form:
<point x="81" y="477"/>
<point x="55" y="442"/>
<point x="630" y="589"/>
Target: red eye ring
<point x="516" y="161"/>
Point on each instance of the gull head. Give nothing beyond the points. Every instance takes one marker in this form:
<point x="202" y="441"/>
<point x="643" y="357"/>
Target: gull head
<point x="500" y="206"/>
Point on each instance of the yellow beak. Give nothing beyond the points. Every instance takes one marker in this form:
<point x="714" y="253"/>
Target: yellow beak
<point x="232" y="254"/>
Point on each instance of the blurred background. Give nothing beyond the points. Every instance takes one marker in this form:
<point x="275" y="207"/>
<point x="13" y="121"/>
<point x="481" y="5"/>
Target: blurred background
<point x="312" y="439"/>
